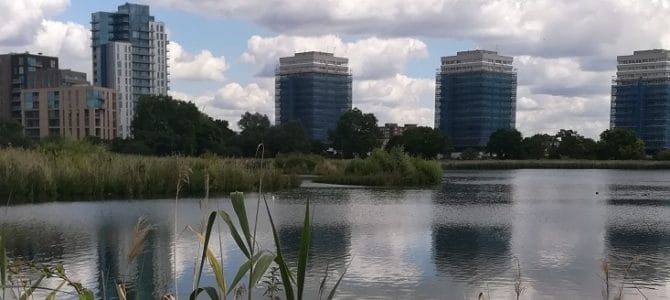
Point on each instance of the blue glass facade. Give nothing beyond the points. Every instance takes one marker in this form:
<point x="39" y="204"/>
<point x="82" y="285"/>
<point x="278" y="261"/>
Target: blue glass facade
<point x="470" y="106"/>
<point x="315" y="99"/>
<point x="643" y="105"/>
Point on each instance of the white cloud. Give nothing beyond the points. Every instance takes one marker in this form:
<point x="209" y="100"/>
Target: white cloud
<point x="233" y="99"/>
<point x="69" y="41"/>
<point x="199" y="67"/>
<point x="399" y="99"/>
<point x="21" y="19"/>
<point x="370" y="58"/>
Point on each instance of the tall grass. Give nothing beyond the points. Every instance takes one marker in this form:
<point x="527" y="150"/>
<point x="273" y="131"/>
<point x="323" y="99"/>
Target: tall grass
<point x="58" y="174"/>
<point x="383" y="168"/>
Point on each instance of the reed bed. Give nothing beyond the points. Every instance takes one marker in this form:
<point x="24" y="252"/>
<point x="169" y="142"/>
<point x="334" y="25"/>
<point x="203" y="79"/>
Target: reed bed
<point x="381" y="168"/>
<point x="62" y="174"/>
<point x="554" y="164"/>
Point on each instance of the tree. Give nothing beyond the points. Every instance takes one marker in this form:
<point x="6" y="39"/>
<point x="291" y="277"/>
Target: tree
<point x="422" y="141"/>
<point x="169" y="126"/>
<point x="254" y="130"/>
<point x="505" y="144"/>
<point x="538" y="146"/>
<point x="620" y="143"/>
<point x="356" y="133"/>
<point x="11" y="134"/>
<point x="573" y="145"/>
<point x="287" y="138"/>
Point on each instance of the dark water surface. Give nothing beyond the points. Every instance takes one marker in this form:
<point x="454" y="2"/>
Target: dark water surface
<point x="452" y="242"/>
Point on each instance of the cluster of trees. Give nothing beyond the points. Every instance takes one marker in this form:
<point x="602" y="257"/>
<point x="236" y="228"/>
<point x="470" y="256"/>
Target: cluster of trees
<point x="617" y="143"/>
<point x="164" y="126"/>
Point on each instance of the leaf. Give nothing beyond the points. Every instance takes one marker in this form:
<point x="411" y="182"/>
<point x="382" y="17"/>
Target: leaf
<point x="215" y="265"/>
<point x="209" y="290"/>
<point x="208" y="233"/>
<point x="52" y="295"/>
<point x="332" y="292"/>
<point x="286" y="276"/>
<point x="32" y="288"/>
<point x="261" y="266"/>
<point x="237" y="199"/>
<point x="303" y="252"/>
<point x="86" y="294"/>
<point x="233" y="231"/>
<point x="244" y="268"/>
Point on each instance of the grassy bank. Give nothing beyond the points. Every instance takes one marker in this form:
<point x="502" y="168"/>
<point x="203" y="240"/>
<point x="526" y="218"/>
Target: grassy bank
<point x="93" y="173"/>
<point x="381" y="168"/>
<point x="554" y="164"/>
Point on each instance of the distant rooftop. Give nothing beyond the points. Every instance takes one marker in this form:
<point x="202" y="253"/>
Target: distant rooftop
<point x="313" y="62"/>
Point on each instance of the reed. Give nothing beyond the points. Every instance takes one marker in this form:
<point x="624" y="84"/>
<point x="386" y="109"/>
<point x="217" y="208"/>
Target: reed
<point x="383" y="168"/>
<point x="50" y="174"/>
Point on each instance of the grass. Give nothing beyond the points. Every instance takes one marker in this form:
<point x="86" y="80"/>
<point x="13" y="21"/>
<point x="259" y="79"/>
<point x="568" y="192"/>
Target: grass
<point x="554" y="164"/>
<point x="382" y="168"/>
<point x="63" y="174"/>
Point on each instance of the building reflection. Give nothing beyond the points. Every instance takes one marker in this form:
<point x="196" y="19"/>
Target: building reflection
<point x="470" y="252"/>
<point x="329" y="242"/>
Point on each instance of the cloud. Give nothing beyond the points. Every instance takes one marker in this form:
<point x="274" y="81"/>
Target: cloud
<point x="233" y="99"/>
<point x="549" y="113"/>
<point x="69" y="41"/>
<point x="370" y="58"/>
<point x="399" y="99"/>
<point x="21" y="19"/>
<point x="200" y="67"/>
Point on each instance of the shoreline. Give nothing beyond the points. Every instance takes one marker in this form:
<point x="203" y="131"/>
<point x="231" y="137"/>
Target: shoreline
<point x="554" y="164"/>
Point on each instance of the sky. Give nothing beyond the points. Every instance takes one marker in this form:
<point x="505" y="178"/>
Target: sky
<point x="222" y="53"/>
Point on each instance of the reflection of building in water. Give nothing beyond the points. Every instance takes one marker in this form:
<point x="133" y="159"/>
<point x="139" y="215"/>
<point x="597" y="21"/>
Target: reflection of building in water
<point x="149" y="275"/>
<point x="461" y="193"/>
<point x="470" y="252"/>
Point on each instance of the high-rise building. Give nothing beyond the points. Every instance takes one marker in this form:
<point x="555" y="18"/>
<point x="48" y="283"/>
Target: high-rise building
<point x="641" y="96"/>
<point x="475" y="95"/>
<point x="75" y="111"/>
<point x="129" y="55"/>
<point x="14" y="71"/>
<point x="313" y="88"/>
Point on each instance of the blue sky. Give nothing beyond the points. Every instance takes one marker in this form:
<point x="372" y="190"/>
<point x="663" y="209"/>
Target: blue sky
<point x="564" y="51"/>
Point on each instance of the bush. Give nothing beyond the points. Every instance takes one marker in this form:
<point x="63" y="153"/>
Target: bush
<point x="382" y="168"/>
<point x="297" y="163"/>
<point x="663" y="155"/>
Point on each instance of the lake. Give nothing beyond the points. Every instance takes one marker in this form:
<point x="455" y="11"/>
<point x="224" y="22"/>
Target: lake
<point x="467" y="236"/>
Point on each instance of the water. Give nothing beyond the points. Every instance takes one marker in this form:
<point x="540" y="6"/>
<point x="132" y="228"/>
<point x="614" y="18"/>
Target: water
<point x="453" y="242"/>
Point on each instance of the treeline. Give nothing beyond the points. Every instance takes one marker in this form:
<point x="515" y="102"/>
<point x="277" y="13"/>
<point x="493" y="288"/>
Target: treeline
<point x="166" y="126"/>
<point x="614" y="144"/>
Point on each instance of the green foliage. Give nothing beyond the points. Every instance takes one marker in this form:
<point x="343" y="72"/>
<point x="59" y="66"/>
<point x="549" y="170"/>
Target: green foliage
<point x="469" y="154"/>
<point x="421" y="141"/>
<point x="573" y="145"/>
<point x="288" y="138"/>
<point x="383" y="168"/>
<point x="356" y="134"/>
<point x="663" y="155"/>
<point x="11" y="134"/>
<point x="66" y="171"/>
<point x="620" y="143"/>
<point x="168" y="126"/>
<point x="297" y="163"/>
<point x="538" y="146"/>
<point x="505" y="144"/>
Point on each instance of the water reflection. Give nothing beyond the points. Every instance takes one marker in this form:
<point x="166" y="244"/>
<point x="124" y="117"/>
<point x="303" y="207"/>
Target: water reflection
<point x="448" y="243"/>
